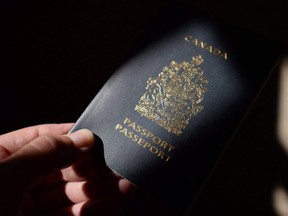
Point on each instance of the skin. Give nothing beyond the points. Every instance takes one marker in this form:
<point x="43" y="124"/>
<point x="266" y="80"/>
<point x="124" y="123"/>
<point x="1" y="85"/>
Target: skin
<point x="45" y="172"/>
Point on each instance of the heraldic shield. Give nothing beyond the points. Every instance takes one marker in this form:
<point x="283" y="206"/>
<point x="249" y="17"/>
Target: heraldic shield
<point x="175" y="96"/>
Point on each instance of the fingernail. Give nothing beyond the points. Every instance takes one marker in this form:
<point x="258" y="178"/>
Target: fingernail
<point x="82" y="139"/>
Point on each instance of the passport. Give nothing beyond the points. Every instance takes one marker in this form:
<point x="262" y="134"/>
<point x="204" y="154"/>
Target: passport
<point x="168" y="113"/>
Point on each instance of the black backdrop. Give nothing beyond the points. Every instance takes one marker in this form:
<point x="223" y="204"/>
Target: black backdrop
<point x="56" y="55"/>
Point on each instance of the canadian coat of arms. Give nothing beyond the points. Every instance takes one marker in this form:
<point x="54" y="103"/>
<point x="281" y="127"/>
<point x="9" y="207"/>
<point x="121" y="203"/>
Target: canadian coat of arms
<point x="175" y="96"/>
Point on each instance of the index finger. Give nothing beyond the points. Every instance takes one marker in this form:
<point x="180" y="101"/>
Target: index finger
<point x="13" y="141"/>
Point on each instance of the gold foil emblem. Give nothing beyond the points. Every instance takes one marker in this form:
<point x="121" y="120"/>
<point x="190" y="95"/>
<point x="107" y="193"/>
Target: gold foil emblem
<point x="175" y="96"/>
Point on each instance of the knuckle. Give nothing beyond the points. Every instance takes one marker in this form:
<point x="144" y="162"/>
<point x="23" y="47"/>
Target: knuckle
<point x="50" y="143"/>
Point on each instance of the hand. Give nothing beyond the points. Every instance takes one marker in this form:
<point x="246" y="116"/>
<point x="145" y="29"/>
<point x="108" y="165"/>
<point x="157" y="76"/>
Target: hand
<point x="34" y="181"/>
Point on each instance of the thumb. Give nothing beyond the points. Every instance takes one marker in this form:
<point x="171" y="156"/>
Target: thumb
<point x="47" y="153"/>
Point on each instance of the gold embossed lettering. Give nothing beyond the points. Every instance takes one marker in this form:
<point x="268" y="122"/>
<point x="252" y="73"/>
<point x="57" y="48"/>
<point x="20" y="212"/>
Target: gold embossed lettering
<point x="209" y="48"/>
<point x="147" y="144"/>
<point x="141" y="141"/>
<point x="144" y="132"/>
<point x="194" y="41"/>
<point x="153" y="150"/>
<point x="202" y="44"/>
<point x="170" y="147"/>
<point x="138" y="128"/>
<point x="164" y="144"/>
<point x="133" y="125"/>
<point x="124" y="131"/>
<point x="127" y="121"/>
<point x="134" y="132"/>
<point x="188" y="38"/>
<point x="206" y="46"/>
<point x="118" y="126"/>
<point x="156" y="140"/>
<point x="168" y="158"/>
<point x="135" y="138"/>
<point x="216" y="52"/>
<point x="149" y="134"/>
<point x="224" y="55"/>
<point x="130" y="135"/>
<point x="161" y="155"/>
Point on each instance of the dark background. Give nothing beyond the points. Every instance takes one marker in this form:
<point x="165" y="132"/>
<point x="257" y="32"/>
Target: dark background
<point x="56" y="55"/>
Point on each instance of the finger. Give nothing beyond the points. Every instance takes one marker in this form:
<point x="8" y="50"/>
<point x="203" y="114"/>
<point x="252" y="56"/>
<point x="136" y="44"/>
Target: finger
<point x="89" y="190"/>
<point x="49" y="198"/>
<point x="15" y="140"/>
<point x="86" y="168"/>
<point x="103" y="185"/>
<point x="62" y="149"/>
<point x="98" y="173"/>
<point x="61" y="195"/>
<point x="48" y="180"/>
<point x="126" y="188"/>
<point x="69" y="174"/>
<point x="71" y="192"/>
<point x="100" y="208"/>
<point x="77" y="191"/>
<point x="3" y="153"/>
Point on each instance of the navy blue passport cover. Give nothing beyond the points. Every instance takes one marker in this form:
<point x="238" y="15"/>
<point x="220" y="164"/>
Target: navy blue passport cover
<point x="168" y="113"/>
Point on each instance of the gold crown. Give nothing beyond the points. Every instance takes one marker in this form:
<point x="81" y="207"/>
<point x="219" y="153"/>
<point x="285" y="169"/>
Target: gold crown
<point x="197" y="60"/>
<point x="174" y="97"/>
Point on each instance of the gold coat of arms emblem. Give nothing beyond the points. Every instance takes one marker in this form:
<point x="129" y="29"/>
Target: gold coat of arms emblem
<point x="173" y="98"/>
